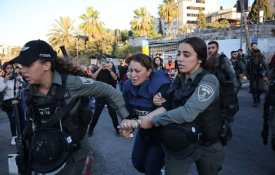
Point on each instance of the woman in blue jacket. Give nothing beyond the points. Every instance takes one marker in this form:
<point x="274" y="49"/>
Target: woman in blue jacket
<point x="138" y="92"/>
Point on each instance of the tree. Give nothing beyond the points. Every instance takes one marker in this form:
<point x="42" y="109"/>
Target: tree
<point x="91" y="25"/>
<point x="222" y="24"/>
<point x="143" y="22"/>
<point x="168" y="12"/>
<point x="124" y="35"/>
<point x="201" y="20"/>
<point x="62" y="34"/>
<point x="256" y="7"/>
<point x="100" y="40"/>
<point x="182" y="29"/>
<point x="102" y="44"/>
<point x="125" y="50"/>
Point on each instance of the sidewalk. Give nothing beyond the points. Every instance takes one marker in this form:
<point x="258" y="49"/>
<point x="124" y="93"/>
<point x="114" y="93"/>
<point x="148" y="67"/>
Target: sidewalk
<point x="3" y="116"/>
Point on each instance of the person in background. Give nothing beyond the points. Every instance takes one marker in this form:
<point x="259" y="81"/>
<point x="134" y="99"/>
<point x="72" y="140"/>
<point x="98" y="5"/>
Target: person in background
<point x="47" y="75"/>
<point x="239" y="68"/>
<point x="144" y="83"/>
<point x="170" y="68"/>
<point x="213" y="54"/>
<point x="105" y="73"/>
<point x="122" y="70"/>
<point x="257" y="72"/>
<point x="158" y="64"/>
<point x="269" y="103"/>
<point x="11" y="85"/>
<point x="242" y="57"/>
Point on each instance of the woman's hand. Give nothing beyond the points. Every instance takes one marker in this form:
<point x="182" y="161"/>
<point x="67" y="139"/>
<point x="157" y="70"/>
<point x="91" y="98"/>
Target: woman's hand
<point x="146" y="122"/>
<point x="126" y="124"/>
<point x="158" y="99"/>
<point x="125" y="133"/>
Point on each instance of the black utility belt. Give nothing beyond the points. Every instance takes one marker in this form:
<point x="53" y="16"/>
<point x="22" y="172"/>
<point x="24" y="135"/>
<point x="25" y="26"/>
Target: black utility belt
<point x="178" y="137"/>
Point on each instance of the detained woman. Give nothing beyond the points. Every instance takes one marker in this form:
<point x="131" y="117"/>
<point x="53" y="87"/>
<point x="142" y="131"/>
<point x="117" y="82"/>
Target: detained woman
<point x="138" y="92"/>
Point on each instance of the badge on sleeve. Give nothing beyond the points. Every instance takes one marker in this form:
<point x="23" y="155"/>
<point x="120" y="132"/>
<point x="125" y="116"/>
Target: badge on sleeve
<point x="86" y="80"/>
<point x="205" y="92"/>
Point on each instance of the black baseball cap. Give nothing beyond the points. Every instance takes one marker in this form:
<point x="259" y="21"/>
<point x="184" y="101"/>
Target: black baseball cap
<point x="34" y="50"/>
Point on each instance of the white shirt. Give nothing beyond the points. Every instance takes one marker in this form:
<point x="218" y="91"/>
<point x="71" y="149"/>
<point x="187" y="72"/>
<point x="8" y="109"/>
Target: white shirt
<point x="8" y="88"/>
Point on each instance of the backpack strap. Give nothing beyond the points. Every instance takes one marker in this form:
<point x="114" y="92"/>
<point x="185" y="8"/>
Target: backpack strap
<point x="59" y="95"/>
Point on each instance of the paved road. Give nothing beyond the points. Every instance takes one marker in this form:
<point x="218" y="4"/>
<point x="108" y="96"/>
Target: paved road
<point x="245" y="154"/>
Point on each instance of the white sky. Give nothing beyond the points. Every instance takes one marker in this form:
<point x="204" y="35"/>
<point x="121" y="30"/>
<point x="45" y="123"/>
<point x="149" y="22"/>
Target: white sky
<point x="24" y="20"/>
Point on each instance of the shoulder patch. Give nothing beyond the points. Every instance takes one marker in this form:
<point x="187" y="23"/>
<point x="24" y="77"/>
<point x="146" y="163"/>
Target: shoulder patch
<point x="86" y="80"/>
<point x="205" y="92"/>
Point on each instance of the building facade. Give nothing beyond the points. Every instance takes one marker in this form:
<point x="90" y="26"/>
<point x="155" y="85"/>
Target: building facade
<point x="229" y="14"/>
<point x="188" y="11"/>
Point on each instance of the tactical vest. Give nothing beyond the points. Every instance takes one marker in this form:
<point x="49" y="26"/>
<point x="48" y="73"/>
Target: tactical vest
<point x="140" y="97"/>
<point x="210" y="121"/>
<point x="140" y="100"/>
<point x="42" y="112"/>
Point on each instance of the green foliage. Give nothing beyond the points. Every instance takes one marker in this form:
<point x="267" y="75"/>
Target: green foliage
<point x="222" y="24"/>
<point x="102" y="44"/>
<point x="182" y="29"/>
<point x="125" y="50"/>
<point x="61" y="33"/>
<point x="124" y="35"/>
<point x="143" y="23"/>
<point x="168" y="12"/>
<point x="256" y="7"/>
<point x="91" y="25"/>
<point x="201" y="20"/>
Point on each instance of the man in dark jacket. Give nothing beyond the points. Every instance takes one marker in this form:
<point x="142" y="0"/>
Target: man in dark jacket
<point x="105" y="73"/>
<point x="238" y="67"/>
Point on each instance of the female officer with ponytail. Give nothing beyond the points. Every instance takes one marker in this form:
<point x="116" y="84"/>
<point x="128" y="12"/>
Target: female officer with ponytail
<point x="190" y="131"/>
<point x="54" y="117"/>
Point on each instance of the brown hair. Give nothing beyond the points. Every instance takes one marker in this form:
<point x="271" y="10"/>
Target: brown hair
<point x="143" y="59"/>
<point x="61" y="65"/>
<point x="5" y="65"/>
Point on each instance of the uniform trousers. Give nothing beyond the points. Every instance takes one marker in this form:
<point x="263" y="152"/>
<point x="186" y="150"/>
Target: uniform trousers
<point x="76" y="161"/>
<point x="208" y="161"/>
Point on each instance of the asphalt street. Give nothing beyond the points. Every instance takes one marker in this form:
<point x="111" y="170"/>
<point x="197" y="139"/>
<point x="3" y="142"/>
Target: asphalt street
<point x="245" y="154"/>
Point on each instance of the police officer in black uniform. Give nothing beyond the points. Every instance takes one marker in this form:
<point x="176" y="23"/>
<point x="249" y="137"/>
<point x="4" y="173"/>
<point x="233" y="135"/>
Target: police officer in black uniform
<point x="56" y="138"/>
<point x="269" y="108"/>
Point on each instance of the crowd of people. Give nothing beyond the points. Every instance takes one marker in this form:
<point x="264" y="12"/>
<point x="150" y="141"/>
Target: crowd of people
<point x="177" y="110"/>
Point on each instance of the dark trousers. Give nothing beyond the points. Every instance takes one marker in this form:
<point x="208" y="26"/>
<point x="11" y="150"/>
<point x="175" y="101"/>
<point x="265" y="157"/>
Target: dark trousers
<point x="147" y="157"/>
<point x="99" y="105"/>
<point x="239" y="85"/>
<point x="12" y="121"/>
<point x="256" y="90"/>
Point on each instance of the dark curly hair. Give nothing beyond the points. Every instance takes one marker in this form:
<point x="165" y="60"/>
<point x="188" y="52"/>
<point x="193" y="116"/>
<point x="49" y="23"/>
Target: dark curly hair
<point x="61" y="65"/>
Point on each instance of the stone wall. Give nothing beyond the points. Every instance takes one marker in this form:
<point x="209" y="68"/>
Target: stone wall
<point x="259" y="31"/>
